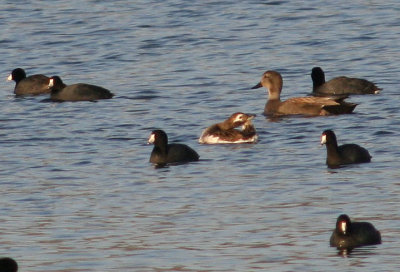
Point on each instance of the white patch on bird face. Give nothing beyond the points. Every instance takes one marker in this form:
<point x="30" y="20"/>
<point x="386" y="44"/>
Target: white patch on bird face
<point x="343" y="226"/>
<point x="323" y="139"/>
<point x="51" y="82"/>
<point x="151" y="139"/>
<point x="9" y="77"/>
<point x="238" y="118"/>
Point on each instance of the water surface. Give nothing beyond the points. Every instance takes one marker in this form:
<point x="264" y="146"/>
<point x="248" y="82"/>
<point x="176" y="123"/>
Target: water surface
<point x="78" y="193"/>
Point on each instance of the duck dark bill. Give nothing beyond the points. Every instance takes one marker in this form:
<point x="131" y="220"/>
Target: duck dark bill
<point x="259" y="85"/>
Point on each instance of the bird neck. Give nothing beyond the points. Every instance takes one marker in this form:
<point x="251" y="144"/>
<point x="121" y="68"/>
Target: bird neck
<point x="317" y="83"/>
<point x="274" y="93"/>
<point x="333" y="156"/>
<point x="272" y="106"/>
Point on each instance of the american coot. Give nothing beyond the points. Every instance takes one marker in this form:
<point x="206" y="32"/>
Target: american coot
<point x="340" y="85"/>
<point x="32" y="85"/>
<point x="312" y="106"/>
<point x="8" y="265"/>
<point x="348" y="235"/>
<point x="76" y="92"/>
<point x="344" y="154"/>
<point x="164" y="153"/>
<point x="225" y="132"/>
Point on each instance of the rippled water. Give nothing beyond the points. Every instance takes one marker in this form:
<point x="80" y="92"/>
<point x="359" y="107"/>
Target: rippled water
<point x="78" y="193"/>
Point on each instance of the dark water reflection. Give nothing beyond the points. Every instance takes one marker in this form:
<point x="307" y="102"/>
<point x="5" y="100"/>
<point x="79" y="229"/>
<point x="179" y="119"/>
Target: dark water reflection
<point x="357" y="252"/>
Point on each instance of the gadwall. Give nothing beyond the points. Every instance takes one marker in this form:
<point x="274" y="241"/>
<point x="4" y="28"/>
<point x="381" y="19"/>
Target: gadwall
<point x="311" y="105"/>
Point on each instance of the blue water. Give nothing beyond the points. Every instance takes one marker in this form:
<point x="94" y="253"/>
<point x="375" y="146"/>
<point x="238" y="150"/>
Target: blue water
<point x="77" y="190"/>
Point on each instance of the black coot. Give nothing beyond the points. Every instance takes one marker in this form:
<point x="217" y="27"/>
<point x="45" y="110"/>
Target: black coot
<point x="344" y="154"/>
<point x="348" y="235"/>
<point x="340" y="85"/>
<point x="164" y="153"/>
<point x="76" y="92"/>
<point x="32" y="85"/>
<point x="8" y="265"/>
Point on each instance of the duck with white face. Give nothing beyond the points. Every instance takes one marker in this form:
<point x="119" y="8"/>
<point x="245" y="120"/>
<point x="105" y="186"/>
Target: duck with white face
<point x="227" y="132"/>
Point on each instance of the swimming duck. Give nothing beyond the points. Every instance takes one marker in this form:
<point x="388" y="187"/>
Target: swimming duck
<point x="348" y="235"/>
<point x="164" y="153"/>
<point x="31" y="85"/>
<point x="312" y="106"/>
<point x="340" y="85"/>
<point x="76" y="92"/>
<point x="226" y="132"/>
<point x="344" y="154"/>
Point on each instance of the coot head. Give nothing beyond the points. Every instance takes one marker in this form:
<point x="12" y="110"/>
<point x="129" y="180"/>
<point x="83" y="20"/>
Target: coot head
<point x="17" y="75"/>
<point x="55" y="81"/>
<point x="56" y="84"/>
<point x="158" y="137"/>
<point x="343" y="224"/>
<point x="8" y="265"/>
<point x="317" y="76"/>
<point x="327" y="137"/>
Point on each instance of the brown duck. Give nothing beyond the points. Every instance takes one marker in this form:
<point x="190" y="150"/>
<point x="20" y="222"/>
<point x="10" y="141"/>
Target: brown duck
<point x="226" y="132"/>
<point x="311" y="106"/>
